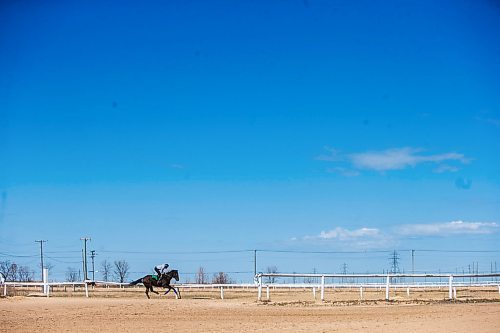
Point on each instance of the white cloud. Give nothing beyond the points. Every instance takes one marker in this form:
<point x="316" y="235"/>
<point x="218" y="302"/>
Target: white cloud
<point x="345" y="234"/>
<point x="448" y="228"/>
<point x="374" y="238"/>
<point x="361" y="239"/>
<point x="399" y="158"/>
<point x="390" y="159"/>
<point x="445" y="168"/>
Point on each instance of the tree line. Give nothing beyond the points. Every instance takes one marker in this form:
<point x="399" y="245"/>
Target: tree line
<point x="15" y="272"/>
<point x="201" y="277"/>
<point x="116" y="271"/>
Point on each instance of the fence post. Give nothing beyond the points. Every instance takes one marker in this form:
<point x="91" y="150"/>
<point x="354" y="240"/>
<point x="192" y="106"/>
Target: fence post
<point x="221" y="292"/>
<point x="361" y="292"/>
<point x="259" y="288"/>
<point x="86" y="289"/>
<point x="5" y="289"/>
<point x="450" y="287"/>
<point x="45" y="275"/>
<point x="322" y="288"/>
<point x="387" y="287"/>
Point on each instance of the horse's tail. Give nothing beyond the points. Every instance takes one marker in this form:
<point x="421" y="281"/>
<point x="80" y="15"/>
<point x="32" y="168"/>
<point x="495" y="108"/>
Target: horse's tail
<point x="133" y="283"/>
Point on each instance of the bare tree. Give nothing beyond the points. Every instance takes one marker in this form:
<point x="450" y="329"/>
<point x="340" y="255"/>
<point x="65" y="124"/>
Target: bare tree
<point x="106" y="270"/>
<point x="221" y="278"/>
<point x="71" y="274"/>
<point x="201" y="276"/>
<point x="271" y="270"/>
<point x="13" y="271"/>
<point x="121" y="270"/>
<point x="6" y="269"/>
<point x="50" y="266"/>
<point x="25" y="274"/>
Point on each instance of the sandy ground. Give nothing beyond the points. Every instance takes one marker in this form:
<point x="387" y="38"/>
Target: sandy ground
<point x="65" y="314"/>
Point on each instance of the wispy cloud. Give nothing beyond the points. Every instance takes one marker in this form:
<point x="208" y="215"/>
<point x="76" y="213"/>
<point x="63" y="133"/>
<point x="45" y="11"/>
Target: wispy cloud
<point x="362" y="238"/>
<point x="176" y="166"/>
<point x="332" y="155"/>
<point x="448" y="228"/>
<point x="374" y="238"/>
<point x="490" y="120"/>
<point x="392" y="159"/>
<point x="343" y="171"/>
<point x="399" y="158"/>
<point x="346" y="234"/>
<point x="445" y="168"/>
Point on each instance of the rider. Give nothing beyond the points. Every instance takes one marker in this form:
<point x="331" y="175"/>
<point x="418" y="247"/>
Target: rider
<point x="161" y="269"/>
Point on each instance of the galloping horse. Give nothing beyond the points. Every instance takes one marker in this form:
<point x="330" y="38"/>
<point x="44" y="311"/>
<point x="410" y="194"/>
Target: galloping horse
<point x="163" y="282"/>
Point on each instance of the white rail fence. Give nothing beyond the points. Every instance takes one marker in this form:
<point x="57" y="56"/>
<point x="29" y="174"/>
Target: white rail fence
<point x="390" y="281"/>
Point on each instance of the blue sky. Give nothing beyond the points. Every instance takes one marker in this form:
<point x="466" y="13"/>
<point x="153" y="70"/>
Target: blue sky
<point x="166" y="129"/>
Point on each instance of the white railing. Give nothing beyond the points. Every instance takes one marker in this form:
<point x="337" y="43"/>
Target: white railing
<point x="389" y="282"/>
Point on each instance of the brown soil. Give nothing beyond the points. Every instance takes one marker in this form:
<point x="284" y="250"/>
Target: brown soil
<point x="132" y="314"/>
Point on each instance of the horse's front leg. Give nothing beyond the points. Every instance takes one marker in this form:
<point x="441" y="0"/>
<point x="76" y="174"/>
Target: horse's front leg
<point x="168" y="290"/>
<point x="177" y="293"/>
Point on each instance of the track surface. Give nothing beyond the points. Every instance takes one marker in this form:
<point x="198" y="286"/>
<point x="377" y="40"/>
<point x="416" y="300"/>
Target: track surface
<point x="26" y="314"/>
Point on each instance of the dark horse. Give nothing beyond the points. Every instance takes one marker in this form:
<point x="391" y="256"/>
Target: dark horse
<point x="163" y="282"/>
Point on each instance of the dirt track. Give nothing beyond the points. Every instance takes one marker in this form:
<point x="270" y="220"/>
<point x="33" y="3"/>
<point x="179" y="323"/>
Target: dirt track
<point x="21" y="314"/>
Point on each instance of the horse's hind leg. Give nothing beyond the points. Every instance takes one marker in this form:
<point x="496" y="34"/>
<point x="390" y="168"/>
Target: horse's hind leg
<point x="147" y="293"/>
<point x="153" y="290"/>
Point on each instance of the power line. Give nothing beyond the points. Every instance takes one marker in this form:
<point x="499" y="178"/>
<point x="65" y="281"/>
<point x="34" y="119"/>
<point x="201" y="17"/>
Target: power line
<point x="176" y="252"/>
<point x="17" y="256"/>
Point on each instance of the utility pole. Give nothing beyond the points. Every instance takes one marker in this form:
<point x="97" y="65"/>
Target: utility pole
<point x="413" y="263"/>
<point x="254" y="263"/>
<point x="85" y="239"/>
<point x="41" y="253"/>
<point x="92" y="255"/>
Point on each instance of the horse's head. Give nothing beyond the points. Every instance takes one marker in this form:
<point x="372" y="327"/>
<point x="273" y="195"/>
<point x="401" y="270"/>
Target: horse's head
<point x="175" y="274"/>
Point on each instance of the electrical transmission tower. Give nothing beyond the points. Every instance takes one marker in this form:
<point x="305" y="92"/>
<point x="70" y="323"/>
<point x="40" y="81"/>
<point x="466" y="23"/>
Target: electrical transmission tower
<point x="344" y="271"/>
<point x="394" y="259"/>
